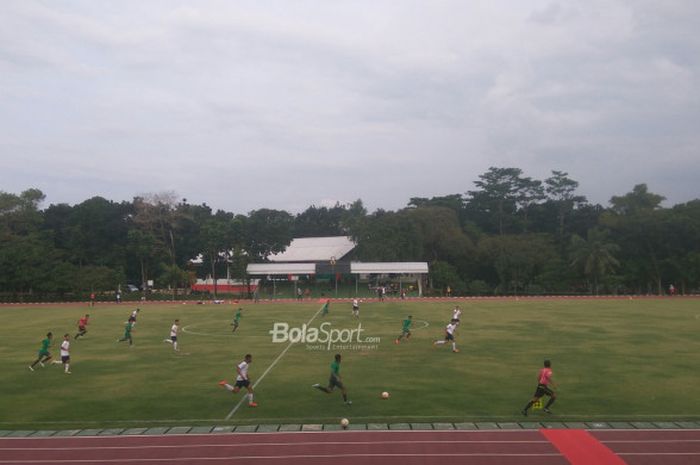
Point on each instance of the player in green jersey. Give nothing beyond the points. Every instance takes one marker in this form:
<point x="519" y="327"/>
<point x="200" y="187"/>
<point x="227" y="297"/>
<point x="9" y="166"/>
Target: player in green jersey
<point x="236" y="320"/>
<point x="326" y="307"/>
<point x="405" y="330"/>
<point x="44" y="355"/>
<point x="335" y="381"/>
<point x="127" y="333"/>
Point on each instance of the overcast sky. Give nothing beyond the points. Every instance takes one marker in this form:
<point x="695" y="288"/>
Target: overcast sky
<point x="285" y="104"/>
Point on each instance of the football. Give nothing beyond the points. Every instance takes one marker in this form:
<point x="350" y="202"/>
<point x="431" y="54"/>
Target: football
<point x="344" y="423"/>
<point x="385" y="395"/>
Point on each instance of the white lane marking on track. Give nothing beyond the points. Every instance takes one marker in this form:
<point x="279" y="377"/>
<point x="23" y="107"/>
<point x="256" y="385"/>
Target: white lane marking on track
<point x="657" y="453"/>
<point x="270" y="457"/>
<point x="276" y="444"/>
<point x="274" y="362"/>
<point x="662" y="441"/>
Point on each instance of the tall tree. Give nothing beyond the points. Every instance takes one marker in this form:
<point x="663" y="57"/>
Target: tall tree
<point x="530" y="192"/>
<point x="215" y="240"/>
<point x="267" y="232"/>
<point x="353" y="216"/>
<point x="442" y="237"/>
<point x="454" y="202"/>
<point x="595" y="255"/>
<point x="497" y="196"/>
<point x="143" y="246"/>
<point x="639" y="201"/>
<point x="561" y="191"/>
<point x="156" y="213"/>
<point x="187" y="223"/>
<point x="389" y="236"/>
<point x="175" y="277"/>
<point x="97" y="230"/>
<point x="637" y="220"/>
<point x="517" y="260"/>
<point x="27" y="255"/>
<point x="319" y="221"/>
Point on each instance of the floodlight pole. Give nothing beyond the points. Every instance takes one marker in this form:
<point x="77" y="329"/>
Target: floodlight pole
<point x="335" y="276"/>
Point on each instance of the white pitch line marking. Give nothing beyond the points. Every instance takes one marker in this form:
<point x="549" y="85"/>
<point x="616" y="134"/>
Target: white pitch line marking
<point x="425" y="324"/>
<point x="279" y="357"/>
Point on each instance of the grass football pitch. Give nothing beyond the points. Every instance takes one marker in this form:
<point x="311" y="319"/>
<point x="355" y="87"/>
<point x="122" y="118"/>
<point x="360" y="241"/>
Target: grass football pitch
<point x="624" y="360"/>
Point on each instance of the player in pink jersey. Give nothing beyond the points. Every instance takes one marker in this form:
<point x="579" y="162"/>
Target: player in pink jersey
<point x="82" y="326"/>
<point x="544" y="388"/>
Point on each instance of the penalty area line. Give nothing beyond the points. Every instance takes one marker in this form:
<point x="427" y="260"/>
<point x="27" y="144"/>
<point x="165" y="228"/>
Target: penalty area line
<point x="425" y="324"/>
<point x="274" y="362"/>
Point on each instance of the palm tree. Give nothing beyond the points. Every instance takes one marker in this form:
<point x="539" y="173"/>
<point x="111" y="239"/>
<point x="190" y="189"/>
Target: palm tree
<point x="595" y="255"/>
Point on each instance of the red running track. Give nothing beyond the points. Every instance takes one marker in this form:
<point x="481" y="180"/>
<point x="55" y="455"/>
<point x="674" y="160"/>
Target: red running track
<point x="653" y="447"/>
<point x="521" y="447"/>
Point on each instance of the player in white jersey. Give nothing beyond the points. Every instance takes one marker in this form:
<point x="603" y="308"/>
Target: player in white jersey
<point x="132" y="317"/>
<point x="456" y="313"/>
<point x="65" y="354"/>
<point x="174" y="329"/>
<point x="242" y="380"/>
<point x="355" y="308"/>
<point x="449" y="336"/>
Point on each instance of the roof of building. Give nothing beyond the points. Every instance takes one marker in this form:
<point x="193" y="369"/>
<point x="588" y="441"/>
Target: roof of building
<point x="315" y="249"/>
<point x="388" y="267"/>
<point x="280" y="268"/>
<point x="258" y="269"/>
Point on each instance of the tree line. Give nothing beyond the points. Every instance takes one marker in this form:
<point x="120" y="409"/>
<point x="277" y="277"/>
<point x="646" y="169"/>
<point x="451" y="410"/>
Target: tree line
<point x="510" y="234"/>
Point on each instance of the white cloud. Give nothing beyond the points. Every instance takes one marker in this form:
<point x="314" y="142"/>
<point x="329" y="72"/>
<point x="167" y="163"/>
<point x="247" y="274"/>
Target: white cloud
<point x="276" y="104"/>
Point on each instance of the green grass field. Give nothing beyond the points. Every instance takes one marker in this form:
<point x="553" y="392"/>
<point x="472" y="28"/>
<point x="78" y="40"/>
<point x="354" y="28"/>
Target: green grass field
<point x="613" y="359"/>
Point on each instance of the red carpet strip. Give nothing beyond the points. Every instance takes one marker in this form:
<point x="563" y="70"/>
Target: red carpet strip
<point x="580" y="448"/>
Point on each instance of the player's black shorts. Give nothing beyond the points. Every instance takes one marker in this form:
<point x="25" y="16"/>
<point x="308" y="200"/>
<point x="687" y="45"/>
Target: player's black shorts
<point x="131" y="319"/>
<point x="449" y="337"/>
<point x="81" y="329"/>
<point x="244" y="383"/>
<point x="173" y="338"/>
<point x="334" y="382"/>
<point x="65" y="358"/>
<point x="543" y="390"/>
